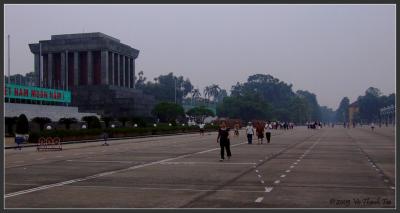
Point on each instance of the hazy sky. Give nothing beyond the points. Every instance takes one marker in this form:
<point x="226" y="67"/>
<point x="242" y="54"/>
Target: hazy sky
<point x="330" y="50"/>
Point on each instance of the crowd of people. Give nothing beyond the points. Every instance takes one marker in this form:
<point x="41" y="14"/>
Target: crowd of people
<point x="258" y="129"/>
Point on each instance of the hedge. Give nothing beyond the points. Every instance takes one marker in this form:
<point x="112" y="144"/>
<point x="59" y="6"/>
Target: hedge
<point x="90" y="134"/>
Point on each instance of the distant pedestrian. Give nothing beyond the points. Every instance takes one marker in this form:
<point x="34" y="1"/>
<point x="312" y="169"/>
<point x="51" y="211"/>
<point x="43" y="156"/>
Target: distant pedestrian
<point x="201" y="128"/>
<point x="372" y="126"/>
<point x="224" y="141"/>
<point x="249" y="132"/>
<point x="268" y="128"/>
<point x="236" y="127"/>
<point x="260" y="133"/>
<point x="105" y="138"/>
<point x="19" y="139"/>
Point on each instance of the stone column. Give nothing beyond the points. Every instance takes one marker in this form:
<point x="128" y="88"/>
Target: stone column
<point x="76" y="68"/>
<point x="90" y="67"/>
<point x="123" y="72"/>
<point x="50" y="70"/>
<point x="104" y="67"/>
<point x="118" y="70"/>
<point x="129" y="72"/>
<point x="37" y="70"/>
<point x="66" y="70"/>
<point x="111" y="77"/>
<point x="133" y="73"/>
<point x="62" y="70"/>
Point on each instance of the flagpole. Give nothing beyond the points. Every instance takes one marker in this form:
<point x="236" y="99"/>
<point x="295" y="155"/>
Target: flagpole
<point x="40" y="64"/>
<point x="9" y="79"/>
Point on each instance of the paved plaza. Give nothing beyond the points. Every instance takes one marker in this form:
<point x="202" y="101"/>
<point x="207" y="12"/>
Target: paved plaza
<point x="300" y="168"/>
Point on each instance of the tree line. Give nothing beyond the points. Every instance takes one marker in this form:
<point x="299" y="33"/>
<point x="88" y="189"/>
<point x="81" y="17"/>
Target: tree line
<point x="368" y="105"/>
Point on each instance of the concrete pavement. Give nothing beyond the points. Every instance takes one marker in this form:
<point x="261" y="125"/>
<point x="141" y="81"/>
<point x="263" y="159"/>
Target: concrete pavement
<point x="300" y="168"/>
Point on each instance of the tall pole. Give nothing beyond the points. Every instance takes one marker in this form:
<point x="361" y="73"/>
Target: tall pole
<point x="175" y="89"/>
<point x="8" y="58"/>
<point x="40" y="64"/>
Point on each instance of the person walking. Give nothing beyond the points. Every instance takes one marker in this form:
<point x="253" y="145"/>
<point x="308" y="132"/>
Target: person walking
<point x="260" y="133"/>
<point x="236" y="128"/>
<point x="201" y="128"/>
<point x="250" y="132"/>
<point x="224" y="141"/>
<point x="372" y="126"/>
<point x="268" y="128"/>
<point x="105" y="138"/>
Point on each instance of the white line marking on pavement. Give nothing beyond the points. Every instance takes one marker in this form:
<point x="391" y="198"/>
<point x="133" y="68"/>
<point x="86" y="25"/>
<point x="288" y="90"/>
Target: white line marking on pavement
<point x="282" y="176"/>
<point x="262" y="181"/>
<point x="256" y="170"/>
<point x="268" y="189"/>
<point x="217" y="163"/>
<point x="277" y="181"/>
<point x="169" y="189"/>
<point x="21" y="184"/>
<point x="258" y="200"/>
<point x="259" y="176"/>
<point x="288" y="171"/>
<point x="99" y="161"/>
<point x="102" y="174"/>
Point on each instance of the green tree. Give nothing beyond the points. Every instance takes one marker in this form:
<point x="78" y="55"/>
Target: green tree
<point x="140" y="82"/>
<point x="221" y="95"/>
<point x="244" y="107"/>
<point x="141" y="122"/>
<point x="107" y="120"/>
<point x="42" y="121"/>
<point x="298" y="110"/>
<point x="67" y="122"/>
<point x="22" y="125"/>
<point x="92" y="121"/>
<point x="327" y="114"/>
<point x="312" y="103"/>
<point x="123" y="120"/>
<point x="212" y="91"/>
<point x="342" y="113"/>
<point x="200" y="113"/>
<point x="10" y="122"/>
<point x="369" y="104"/>
<point x="164" y="87"/>
<point x="168" y="112"/>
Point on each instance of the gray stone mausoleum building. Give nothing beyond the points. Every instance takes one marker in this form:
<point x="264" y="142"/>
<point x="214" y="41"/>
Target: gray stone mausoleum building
<point x="97" y="68"/>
